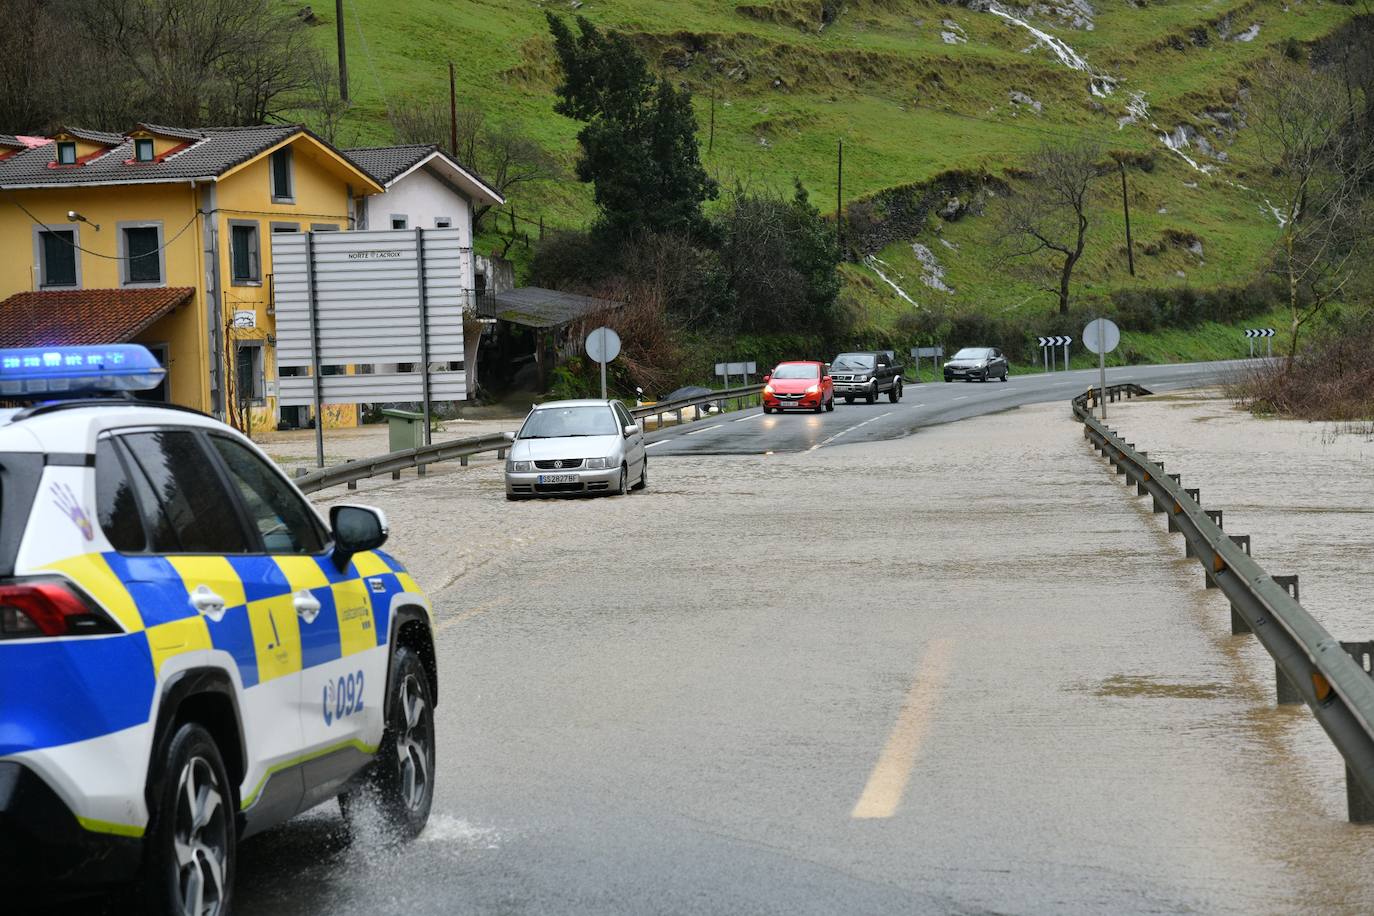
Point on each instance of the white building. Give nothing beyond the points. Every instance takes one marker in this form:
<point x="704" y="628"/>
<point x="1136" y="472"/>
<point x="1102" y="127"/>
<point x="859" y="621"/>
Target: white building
<point x="425" y="189"/>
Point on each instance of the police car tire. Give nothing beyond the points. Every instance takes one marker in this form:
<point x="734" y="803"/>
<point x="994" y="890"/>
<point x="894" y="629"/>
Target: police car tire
<point x="189" y="755"/>
<point x="407" y="750"/>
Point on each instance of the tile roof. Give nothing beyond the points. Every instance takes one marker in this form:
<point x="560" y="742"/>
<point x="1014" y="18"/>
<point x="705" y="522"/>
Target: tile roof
<point x="175" y="133"/>
<point x="384" y="163"/>
<point x="217" y="151"/>
<point x="387" y="163"/>
<point x="10" y="141"/>
<point x="104" y="138"/>
<point x="73" y="317"/>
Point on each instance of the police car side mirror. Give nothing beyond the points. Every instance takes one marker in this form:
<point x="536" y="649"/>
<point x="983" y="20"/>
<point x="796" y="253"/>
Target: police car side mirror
<point x="356" y="529"/>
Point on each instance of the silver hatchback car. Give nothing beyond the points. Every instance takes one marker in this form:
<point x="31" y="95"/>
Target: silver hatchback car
<point x="573" y="447"/>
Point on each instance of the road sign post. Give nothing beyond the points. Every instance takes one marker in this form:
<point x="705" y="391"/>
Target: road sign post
<point x="1266" y="333"/>
<point x="934" y="353"/>
<point x="603" y="345"/>
<point x="1047" y="345"/>
<point x="1101" y="337"/>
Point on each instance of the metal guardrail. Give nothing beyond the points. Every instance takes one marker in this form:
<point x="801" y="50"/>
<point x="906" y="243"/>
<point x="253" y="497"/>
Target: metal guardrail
<point x="1311" y="666"/>
<point x="739" y="394"/>
<point x="395" y="462"/>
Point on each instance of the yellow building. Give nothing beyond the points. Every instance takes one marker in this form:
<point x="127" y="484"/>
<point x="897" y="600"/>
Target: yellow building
<point x="161" y="236"/>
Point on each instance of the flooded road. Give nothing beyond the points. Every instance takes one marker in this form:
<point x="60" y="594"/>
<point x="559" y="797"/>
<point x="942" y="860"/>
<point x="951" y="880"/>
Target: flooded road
<point x="964" y="671"/>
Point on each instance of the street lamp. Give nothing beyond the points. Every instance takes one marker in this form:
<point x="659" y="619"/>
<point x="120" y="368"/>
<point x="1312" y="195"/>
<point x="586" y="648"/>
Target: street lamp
<point x="75" y="217"/>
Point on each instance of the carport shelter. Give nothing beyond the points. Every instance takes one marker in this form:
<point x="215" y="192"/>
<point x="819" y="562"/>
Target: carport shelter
<point x="543" y="323"/>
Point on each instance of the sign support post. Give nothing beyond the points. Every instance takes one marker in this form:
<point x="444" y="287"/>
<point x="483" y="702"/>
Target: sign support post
<point x="603" y="345"/>
<point x="424" y="331"/>
<point x="315" y="379"/>
<point x="1101" y="337"/>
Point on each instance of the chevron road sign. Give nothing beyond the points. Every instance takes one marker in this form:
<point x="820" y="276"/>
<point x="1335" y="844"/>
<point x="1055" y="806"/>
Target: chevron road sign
<point x="1266" y="333"/>
<point x="1049" y="343"/>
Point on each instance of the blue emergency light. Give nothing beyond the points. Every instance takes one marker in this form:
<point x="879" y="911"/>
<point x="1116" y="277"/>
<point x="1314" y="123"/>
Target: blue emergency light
<point x="70" y="371"/>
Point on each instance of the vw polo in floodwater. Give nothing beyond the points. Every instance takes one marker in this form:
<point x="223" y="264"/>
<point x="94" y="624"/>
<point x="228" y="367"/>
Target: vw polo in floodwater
<point x="569" y="448"/>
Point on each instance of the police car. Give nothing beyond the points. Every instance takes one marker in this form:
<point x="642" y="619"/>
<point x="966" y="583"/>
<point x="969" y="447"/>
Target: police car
<point x="188" y="654"/>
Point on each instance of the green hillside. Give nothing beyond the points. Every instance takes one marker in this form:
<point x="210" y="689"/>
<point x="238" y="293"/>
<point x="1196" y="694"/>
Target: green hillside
<point x="913" y="88"/>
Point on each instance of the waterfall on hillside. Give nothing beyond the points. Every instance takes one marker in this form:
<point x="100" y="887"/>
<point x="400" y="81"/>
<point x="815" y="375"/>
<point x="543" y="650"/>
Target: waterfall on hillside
<point x="873" y="262"/>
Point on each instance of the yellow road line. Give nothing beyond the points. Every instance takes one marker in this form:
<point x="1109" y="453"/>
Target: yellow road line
<point x="887" y="782"/>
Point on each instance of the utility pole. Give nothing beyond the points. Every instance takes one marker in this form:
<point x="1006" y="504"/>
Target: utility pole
<point x="839" y="194"/>
<point x="1126" y="208"/>
<point x="343" y="55"/>
<point x="453" y="115"/>
<point x="711" y="133"/>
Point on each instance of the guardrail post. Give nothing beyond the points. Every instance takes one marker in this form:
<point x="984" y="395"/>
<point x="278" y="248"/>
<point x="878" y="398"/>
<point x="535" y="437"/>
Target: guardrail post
<point x="463" y="460"/>
<point x="1285" y="691"/>
<point x="1359" y="806"/>
<point x="395" y="475"/>
<point x="1195" y="493"/>
<point x="1215" y="516"/>
<point x="1238" y="624"/>
<point x="353" y="484"/>
<point x="1290" y="583"/>
<point x="500" y="454"/>
<point x="1240" y="540"/>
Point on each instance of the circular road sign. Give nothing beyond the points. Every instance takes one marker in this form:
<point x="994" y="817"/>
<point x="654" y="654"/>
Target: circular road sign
<point x="603" y="345"/>
<point x="1101" y="335"/>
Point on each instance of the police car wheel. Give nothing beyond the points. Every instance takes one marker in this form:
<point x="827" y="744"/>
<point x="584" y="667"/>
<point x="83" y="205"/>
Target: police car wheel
<point x="190" y="853"/>
<point x="404" y="775"/>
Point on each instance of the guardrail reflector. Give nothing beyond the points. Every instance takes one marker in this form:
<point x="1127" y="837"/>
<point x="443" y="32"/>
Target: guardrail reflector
<point x="1218" y="564"/>
<point x="1147" y="475"/>
<point x="1322" y="687"/>
<point x="1177" y="508"/>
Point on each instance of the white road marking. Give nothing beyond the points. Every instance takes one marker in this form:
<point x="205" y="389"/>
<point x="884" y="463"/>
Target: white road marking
<point x="742" y="419"/>
<point x="659" y="442"/>
<point x="962" y="397"/>
<point x="706" y="430"/>
<point x="850" y="429"/>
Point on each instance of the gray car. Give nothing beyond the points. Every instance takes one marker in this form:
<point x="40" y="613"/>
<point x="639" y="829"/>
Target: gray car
<point x="575" y="447"/>
<point x="981" y="363"/>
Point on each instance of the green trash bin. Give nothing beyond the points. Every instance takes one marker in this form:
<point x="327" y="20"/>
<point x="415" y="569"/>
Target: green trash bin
<point x="405" y="428"/>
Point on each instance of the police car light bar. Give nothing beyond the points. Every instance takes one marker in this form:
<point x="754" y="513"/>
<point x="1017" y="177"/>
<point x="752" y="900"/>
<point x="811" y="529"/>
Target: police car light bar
<point x="69" y="371"/>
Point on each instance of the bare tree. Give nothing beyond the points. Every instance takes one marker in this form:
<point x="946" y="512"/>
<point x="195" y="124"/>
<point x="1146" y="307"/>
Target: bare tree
<point x="503" y="154"/>
<point x="1050" y="213"/>
<point x="323" y="96"/>
<point x="1318" y="163"/>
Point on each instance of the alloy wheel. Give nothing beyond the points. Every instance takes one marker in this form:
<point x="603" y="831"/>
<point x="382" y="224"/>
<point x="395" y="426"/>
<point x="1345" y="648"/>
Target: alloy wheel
<point x="200" y="840"/>
<point x="412" y="745"/>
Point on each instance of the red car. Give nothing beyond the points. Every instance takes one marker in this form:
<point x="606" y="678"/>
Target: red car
<point x="801" y="385"/>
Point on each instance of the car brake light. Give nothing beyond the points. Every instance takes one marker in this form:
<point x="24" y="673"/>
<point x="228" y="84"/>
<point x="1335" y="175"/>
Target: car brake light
<point x="30" y="609"/>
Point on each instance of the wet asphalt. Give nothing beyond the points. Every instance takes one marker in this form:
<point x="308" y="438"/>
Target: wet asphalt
<point x="962" y="671"/>
<point x="753" y="432"/>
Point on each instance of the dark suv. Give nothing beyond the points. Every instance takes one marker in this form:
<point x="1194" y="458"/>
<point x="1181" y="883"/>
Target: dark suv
<point x="866" y="375"/>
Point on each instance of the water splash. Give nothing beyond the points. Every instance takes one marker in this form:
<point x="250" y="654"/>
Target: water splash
<point x="1177" y="141"/>
<point x="873" y="262"/>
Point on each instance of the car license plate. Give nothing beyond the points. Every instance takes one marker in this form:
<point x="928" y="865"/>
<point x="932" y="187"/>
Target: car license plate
<point x="558" y="478"/>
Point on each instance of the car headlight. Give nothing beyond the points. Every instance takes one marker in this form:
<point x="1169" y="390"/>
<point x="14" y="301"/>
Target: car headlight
<point x="596" y="464"/>
<point x="767" y="389"/>
<point x="860" y="378"/>
<point x="520" y="467"/>
<point x="814" y="389"/>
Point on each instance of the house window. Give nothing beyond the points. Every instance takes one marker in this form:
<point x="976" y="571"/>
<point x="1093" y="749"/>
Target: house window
<point x="142" y="254"/>
<point x="143" y="150"/>
<point x="285" y="227"/>
<point x="323" y="227"/>
<point x="282" y="188"/>
<point x="443" y="222"/>
<point x="66" y="153"/>
<point x="243" y="253"/>
<point x="57" y="258"/>
<point x="399" y="222"/>
<point x="248" y="374"/>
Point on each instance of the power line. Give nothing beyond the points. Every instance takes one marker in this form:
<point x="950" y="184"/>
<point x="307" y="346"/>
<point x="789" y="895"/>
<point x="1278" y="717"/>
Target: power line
<point x="109" y="257"/>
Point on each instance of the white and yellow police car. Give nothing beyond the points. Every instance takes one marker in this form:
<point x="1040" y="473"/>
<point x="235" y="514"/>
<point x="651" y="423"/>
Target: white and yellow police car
<point x="188" y="654"/>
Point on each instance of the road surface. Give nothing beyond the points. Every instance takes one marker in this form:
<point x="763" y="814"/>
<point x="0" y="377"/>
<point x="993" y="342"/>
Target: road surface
<point x="753" y="432"/>
<point x="957" y="672"/>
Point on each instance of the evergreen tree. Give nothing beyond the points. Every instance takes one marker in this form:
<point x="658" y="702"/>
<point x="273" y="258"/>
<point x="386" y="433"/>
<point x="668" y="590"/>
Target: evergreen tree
<point x="639" y="146"/>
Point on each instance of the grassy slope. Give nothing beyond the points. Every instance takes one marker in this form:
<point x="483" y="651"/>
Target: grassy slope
<point x="907" y="105"/>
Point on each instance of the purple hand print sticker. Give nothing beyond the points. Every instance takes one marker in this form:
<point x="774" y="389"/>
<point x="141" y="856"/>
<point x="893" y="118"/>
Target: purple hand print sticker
<point x="68" y="505"/>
